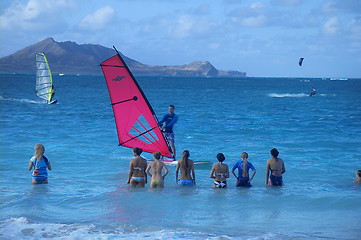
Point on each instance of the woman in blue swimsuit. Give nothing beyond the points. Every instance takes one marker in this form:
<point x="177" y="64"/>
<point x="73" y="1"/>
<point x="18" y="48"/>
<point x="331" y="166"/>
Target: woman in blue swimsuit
<point x="137" y="176"/>
<point x="186" y="167"/>
<point x="220" y="172"/>
<point x="40" y="164"/>
<point x="276" y="166"/>
<point x="243" y="167"/>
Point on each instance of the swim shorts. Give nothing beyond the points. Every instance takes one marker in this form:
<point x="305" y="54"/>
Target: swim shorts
<point x="169" y="136"/>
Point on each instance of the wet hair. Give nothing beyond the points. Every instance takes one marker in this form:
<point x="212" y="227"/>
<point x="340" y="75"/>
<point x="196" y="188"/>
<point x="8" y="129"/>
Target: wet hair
<point x="172" y="106"/>
<point x="244" y="156"/>
<point x="137" y="151"/>
<point x="220" y="157"/>
<point x="39" y="151"/>
<point x="184" y="160"/>
<point x="157" y="155"/>
<point x="274" y="152"/>
<point x="358" y="172"/>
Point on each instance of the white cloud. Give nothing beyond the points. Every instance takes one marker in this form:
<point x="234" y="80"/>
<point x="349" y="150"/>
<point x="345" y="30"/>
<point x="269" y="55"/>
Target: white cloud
<point x="257" y="21"/>
<point x="354" y="31"/>
<point x="214" y="45"/>
<point x="33" y="14"/>
<point x="188" y="25"/>
<point x="331" y="26"/>
<point x="287" y="2"/>
<point x="329" y="7"/>
<point x="249" y="52"/>
<point x="257" y="5"/>
<point x="97" y="20"/>
<point x="184" y="25"/>
<point x="255" y="15"/>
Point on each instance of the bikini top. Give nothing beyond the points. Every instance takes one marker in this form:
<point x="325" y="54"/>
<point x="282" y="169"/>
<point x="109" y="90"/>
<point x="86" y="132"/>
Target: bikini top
<point x="276" y="170"/>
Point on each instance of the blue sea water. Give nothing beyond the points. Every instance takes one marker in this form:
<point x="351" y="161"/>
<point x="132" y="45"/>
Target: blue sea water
<point x="87" y="197"/>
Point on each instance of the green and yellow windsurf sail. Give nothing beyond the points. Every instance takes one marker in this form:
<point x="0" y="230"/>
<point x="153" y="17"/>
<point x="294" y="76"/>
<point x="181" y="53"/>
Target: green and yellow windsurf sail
<point x="44" y="82"/>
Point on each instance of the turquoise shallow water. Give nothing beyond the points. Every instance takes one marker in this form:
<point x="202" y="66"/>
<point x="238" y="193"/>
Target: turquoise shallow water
<point x="318" y="137"/>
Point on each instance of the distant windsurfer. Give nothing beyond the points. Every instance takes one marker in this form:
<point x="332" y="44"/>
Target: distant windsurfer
<point x="313" y="92"/>
<point x="169" y="119"/>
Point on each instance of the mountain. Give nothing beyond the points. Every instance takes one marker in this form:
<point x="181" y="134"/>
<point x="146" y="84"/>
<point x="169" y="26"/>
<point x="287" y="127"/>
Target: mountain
<point x="71" y="58"/>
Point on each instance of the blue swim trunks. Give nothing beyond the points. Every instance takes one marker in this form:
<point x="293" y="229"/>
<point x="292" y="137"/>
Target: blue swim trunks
<point x="185" y="182"/>
<point x="169" y="136"/>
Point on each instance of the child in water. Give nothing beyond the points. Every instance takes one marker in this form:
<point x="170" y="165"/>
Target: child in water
<point x="40" y="164"/>
<point x="358" y="177"/>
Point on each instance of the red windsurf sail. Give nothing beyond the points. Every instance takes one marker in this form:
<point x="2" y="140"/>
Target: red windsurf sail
<point x="135" y="119"/>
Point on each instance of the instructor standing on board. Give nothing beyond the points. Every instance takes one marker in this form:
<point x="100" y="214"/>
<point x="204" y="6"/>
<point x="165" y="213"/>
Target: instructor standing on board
<point x="169" y="119"/>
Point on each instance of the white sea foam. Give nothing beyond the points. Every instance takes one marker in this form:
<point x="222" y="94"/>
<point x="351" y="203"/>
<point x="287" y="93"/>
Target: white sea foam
<point x="22" y="228"/>
<point x="292" y="95"/>
<point x="23" y="100"/>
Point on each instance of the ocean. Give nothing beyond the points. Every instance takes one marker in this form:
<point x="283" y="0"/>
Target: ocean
<point x="319" y="139"/>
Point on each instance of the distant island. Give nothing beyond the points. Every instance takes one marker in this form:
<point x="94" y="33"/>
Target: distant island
<point x="71" y="58"/>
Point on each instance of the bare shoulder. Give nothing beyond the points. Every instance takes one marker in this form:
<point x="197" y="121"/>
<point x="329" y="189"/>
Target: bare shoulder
<point x="132" y="161"/>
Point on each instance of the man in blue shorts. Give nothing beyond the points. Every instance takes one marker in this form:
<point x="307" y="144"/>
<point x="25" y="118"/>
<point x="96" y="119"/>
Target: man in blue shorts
<point x="169" y="119"/>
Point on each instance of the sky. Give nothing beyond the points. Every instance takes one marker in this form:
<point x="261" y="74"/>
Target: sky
<point x="262" y="38"/>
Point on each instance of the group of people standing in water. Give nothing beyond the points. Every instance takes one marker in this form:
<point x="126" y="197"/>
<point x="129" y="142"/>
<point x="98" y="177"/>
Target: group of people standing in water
<point x="157" y="170"/>
<point x="139" y="170"/>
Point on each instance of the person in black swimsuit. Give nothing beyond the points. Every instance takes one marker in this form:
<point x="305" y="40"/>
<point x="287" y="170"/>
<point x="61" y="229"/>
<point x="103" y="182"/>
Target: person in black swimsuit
<point x="276" y="166"/>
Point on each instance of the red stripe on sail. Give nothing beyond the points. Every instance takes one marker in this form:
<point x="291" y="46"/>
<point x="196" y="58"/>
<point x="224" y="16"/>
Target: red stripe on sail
<point x="130" y="108"/>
